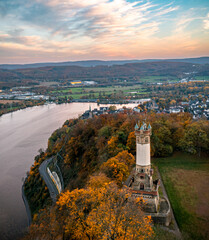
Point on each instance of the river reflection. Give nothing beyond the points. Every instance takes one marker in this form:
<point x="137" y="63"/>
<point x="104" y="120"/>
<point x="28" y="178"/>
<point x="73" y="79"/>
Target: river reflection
<point x="22" y="134"/>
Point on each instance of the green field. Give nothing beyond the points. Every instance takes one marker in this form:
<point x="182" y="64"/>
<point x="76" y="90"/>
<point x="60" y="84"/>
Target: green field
<point x="202" y="77"/>
<point x="101" y="92"/>
<point x="154" y="79"/>
<point x="186" y="179"/>
<point x="79" y="92"/>
<point x="72" y="89"/>
<point x="162" y="234"/>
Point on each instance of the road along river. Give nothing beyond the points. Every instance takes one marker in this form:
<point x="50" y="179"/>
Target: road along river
<point x="22" y="134"/>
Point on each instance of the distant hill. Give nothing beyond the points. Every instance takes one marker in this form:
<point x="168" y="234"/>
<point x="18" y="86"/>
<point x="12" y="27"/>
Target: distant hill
<point x="93" y="63"/>
<point x="60" y="73"/>
<point x="100" y="74"/>
<point x="200" y="60"/>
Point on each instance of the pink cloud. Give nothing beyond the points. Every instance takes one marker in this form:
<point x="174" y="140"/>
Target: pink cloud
<point x="100" y="29"/>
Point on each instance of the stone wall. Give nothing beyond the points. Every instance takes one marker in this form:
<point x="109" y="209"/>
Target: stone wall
<point x="163" y="217"/>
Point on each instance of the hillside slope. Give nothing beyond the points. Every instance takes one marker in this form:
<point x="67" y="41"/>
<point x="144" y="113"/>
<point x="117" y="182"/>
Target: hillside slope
<point x="130" y="71"/>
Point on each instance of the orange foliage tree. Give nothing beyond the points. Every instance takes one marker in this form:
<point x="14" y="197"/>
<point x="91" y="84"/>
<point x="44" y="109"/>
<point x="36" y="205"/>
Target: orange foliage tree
<point x="103" y="212"/>
<point x="100" y="211"/>
<point x="118" y="167"/>
<point x="131" y="142"/>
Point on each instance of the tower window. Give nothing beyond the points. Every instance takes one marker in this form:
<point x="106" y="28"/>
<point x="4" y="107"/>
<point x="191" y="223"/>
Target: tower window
<point x="146" y="140"/>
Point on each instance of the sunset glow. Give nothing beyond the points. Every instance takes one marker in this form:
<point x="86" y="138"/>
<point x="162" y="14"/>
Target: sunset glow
<point x="52" y="30"/>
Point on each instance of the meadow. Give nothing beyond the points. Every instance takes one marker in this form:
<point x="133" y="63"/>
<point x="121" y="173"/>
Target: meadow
<point x="202" y="77"/>
<point x="96" y="92"/>
<point x="186" y="179"/>
<point x="155" y="79"/>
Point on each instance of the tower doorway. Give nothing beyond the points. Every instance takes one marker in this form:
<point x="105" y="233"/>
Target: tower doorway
<point x="141" y="186"/>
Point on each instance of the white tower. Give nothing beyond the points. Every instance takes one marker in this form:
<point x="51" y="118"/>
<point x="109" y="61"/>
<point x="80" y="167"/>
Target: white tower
<point x="141" y="182"/>
<point x="143" y="148"/>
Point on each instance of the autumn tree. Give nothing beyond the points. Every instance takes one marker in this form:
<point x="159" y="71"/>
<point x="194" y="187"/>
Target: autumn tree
<point x="44" y="226"/>
<point x="100" y="211"/>
<point x="112" y="108"/>
<point x="112" y="146"/>
<point x="118" y="167"/>
<point x="116" y="170"/>
<point x="104" y="213"/>
<point x="131" y="143"/>
<point x="172" y="102"/>
<point x="126" y="157"/>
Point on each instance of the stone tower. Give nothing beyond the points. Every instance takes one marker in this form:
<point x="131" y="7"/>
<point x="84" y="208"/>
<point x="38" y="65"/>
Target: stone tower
<point x="143" y="148"/>
<point x="142" y="183"/>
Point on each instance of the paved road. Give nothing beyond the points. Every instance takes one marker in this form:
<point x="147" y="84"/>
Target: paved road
<point x="44" y="174"/>
<point x="176" y="230"/>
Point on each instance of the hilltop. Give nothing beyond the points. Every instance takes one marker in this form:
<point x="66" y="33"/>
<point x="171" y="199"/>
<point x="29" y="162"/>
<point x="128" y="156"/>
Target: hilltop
<point x="106" y="145"/>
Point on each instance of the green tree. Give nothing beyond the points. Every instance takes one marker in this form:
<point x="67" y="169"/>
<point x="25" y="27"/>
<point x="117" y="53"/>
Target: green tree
<point x="195" y="139"/>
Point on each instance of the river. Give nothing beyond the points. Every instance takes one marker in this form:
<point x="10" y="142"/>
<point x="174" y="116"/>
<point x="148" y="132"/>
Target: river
<point x="22" y="134"/>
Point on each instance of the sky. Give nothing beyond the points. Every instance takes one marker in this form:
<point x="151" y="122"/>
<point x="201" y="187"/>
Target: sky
<point x="70" y="30"/>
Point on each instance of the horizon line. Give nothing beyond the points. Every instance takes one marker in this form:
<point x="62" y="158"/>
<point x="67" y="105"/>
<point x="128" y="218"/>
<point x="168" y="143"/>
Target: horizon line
<point x="92" y="60"/>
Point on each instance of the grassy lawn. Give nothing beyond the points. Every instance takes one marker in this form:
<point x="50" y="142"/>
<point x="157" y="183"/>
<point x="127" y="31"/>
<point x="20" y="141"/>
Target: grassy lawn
<point x="186" y="179"/>
<point x="161" y="234"/>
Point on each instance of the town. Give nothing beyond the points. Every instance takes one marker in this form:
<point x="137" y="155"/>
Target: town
<point x="185" y="95"/>
<point x="196" y="107"/>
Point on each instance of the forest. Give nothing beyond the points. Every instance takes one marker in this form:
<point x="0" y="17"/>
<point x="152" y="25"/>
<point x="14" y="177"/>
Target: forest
<point x="95" y="157"/>
<point x="100" y="74"/>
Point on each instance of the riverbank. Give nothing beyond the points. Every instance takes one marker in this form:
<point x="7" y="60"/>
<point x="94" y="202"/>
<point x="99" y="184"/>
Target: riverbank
<point x="94" y="101"/>
<point x="8" y="106"/>
<point x="22" y="134"/>
<point x="27" y="207"/>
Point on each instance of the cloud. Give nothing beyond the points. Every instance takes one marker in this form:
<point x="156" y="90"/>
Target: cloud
<point x="185" y="22"/>
<point x="14" y="38"/>
<point x="92" y="18"/>
<point x="166" y="11"/>
<point x="102" y="18"/>
<point x="87" y="22"/>
<point x="9" y="7"/>
<point x="89" y="29"/>
<point x="206" y="23"/>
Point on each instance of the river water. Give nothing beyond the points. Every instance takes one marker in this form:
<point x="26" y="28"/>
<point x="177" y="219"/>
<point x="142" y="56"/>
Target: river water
<point x="22" y="134"/>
